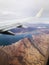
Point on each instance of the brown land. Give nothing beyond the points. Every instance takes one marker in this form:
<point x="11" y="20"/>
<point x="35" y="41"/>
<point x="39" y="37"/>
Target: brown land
<point x="28" y="51"/>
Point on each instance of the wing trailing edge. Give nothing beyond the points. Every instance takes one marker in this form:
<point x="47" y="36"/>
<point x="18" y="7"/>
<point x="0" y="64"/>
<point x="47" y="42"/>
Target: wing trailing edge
<point x="7" y="32"/>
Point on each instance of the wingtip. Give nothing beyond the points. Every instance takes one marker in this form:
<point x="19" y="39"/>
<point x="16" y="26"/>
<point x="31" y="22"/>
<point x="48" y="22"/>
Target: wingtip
<point x="40" y="13"/>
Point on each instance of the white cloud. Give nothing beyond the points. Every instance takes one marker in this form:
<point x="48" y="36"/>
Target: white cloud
<point x="22" y="8"/>
<point x="7" y="12"/>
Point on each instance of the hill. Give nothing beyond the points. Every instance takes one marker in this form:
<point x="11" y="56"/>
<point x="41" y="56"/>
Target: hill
<point x="28" y="51"/>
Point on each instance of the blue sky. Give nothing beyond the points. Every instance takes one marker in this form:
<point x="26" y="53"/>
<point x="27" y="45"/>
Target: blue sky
<point x="13" y="9"/>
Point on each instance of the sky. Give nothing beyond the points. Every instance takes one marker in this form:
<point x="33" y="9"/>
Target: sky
<point x="15" y="9"/>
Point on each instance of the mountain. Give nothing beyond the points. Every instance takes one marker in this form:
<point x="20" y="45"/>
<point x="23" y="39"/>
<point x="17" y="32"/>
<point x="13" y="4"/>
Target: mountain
<point x="27" y="51"/>
<point x="31" y="27"/>
<point x="21" y="30"/>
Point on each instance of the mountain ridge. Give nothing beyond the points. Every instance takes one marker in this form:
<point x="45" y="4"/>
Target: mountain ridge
<point x="28" y="51"/>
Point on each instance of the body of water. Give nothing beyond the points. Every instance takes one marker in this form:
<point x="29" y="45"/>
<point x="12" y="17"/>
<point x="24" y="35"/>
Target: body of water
<point x="9" y="39"/>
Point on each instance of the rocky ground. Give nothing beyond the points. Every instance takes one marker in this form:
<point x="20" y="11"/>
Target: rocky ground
<point x="28" y="51"/>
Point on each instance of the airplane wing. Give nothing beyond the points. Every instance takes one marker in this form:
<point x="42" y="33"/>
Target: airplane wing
<point x="5" y="27"/>
<point x="39" y="13"/>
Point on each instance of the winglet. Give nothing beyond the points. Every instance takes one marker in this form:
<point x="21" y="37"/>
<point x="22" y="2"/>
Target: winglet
<point x="39" y="13"/>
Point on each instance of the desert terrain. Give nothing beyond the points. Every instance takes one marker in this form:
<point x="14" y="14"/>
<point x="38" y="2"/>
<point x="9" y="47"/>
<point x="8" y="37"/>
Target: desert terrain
<point x="27" y="51"/>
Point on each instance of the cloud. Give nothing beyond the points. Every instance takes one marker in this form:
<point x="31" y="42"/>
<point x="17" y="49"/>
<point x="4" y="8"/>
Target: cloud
<point x="7" y="13"/>
<point x="23" y="8"/>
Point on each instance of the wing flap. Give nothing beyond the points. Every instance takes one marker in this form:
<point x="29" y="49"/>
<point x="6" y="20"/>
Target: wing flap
<point x="7" y="32"/>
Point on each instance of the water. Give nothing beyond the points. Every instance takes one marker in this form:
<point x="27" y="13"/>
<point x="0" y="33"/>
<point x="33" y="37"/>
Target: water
<point x="9" y="39"/>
